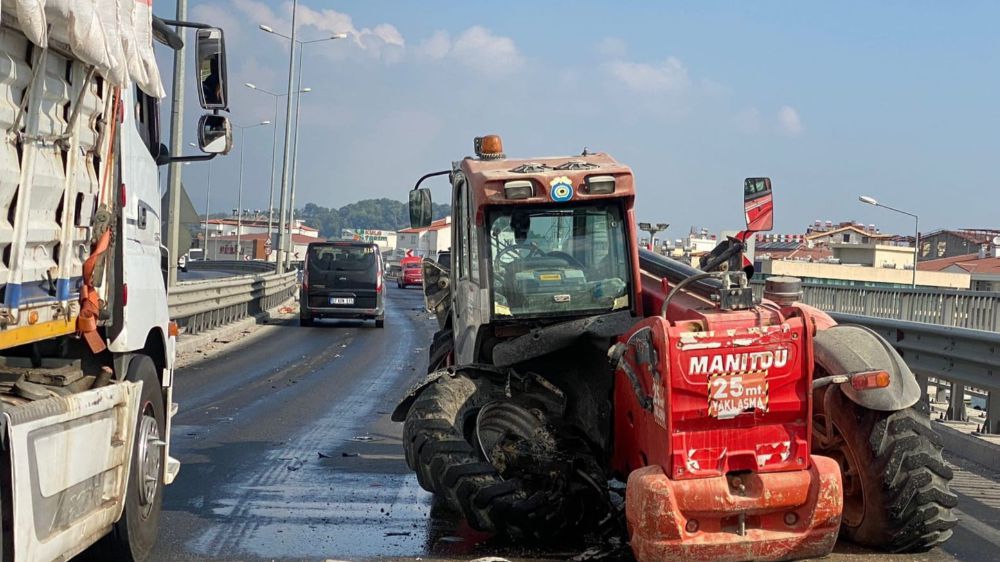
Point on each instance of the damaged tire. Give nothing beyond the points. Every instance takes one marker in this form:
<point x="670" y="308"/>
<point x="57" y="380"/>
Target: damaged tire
<point x="441" y="447"/>
<point x="896" y="483"/>
<point x="440" y="352"/>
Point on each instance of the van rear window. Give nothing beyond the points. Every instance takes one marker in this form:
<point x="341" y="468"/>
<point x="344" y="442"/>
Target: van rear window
<point x="342" y="258"/>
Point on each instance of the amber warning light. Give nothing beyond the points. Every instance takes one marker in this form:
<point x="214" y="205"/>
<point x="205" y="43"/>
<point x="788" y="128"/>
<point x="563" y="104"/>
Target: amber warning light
<point x="489" y="147"/>
<point x="870" y="380"/>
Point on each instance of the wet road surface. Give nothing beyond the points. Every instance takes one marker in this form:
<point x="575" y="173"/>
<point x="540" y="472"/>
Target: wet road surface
<point x="287" y="453"/>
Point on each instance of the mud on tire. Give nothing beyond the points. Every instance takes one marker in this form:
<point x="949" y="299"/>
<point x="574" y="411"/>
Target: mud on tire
<point x="447" y="464"/>
<point x="896" y="483"/>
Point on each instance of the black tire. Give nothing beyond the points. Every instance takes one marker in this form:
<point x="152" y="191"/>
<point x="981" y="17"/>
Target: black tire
<point x="132" y="537"/>
<point x="439" y="353"/>
<point x="380" y="322"/>
<point x="896" y="483"/>
<point x="306" y="321"/>
<point x="448" y="465"/>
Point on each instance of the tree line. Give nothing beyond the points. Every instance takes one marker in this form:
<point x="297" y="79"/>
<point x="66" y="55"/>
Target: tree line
<point x="378" y="214"/>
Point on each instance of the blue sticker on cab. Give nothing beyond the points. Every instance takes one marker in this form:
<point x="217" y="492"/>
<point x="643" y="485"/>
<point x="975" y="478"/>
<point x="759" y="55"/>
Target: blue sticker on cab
<point x="561" y="189"/>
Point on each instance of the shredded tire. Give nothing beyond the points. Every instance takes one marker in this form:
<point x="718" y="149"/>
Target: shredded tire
<point x="448" y="465"/>
<point x="896" y="456"/>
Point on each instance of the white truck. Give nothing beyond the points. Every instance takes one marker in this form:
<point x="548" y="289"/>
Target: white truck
<point x="86" y="343"/>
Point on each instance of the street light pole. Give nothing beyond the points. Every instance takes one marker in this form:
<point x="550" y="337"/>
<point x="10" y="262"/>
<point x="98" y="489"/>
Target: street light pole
<point x="208" y="212"/>
<point x="653" y="230"/>
<point x="916" y="230"/>
<point x="239" y="204"/>
<point x="279" y="264"/>
<point x="270" y="197"/>
<point x="285" y="243"/>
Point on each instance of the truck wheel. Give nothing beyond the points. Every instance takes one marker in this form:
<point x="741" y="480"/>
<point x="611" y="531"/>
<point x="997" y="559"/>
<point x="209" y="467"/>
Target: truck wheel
<point x="132" y="537"/>
<point x="447" y="464"/>
<point x="896" y="483"/>
<point x="306" y="321"/>
<point x="380" y="322"/>
<point x="440" y="351"/>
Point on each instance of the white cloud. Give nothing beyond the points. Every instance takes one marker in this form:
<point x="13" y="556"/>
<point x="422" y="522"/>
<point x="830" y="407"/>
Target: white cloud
<point x="436" y="46"/>
<point x="789" y="121"/>
<point x="670" y="76"/>
<point x="612" y="47"/>
<point x="477" y="48"/>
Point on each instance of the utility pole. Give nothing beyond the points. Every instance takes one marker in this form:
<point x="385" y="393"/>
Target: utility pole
<point x="279" y="263"/>
<point x="174" y="169"/>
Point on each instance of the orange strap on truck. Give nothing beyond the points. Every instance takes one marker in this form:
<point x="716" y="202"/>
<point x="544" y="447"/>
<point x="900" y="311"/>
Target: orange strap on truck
<point x="86" y="323"/>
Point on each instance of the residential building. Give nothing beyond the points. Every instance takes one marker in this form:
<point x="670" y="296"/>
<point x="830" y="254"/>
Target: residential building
<point x="255" y="247"/>
<point x="861" y="276"/>
<point x="425" y="242"/>
<point x="255" y="225"/>
<point x="953" y="243"/>
<point x="983" y="267"/>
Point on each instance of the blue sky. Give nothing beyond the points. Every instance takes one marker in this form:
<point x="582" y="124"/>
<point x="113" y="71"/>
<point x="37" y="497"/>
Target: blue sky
<point x="897" y="100"/>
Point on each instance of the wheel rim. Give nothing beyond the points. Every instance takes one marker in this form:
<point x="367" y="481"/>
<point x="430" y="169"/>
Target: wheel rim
<point x="149" y="454"/>
<point x="837" y="447"/>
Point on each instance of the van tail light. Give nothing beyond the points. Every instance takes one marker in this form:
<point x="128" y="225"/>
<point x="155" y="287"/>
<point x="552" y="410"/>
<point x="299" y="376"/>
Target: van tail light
<point x="305" y="280"/>
<point x="378" y="282"/>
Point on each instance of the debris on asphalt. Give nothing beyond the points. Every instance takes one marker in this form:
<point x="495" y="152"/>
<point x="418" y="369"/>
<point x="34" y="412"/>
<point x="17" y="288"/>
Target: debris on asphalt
<point x="365" y="437"/>
<point x="295" y="465"/>
<point x="322" y="455"/>
<point x="350" y="454"/>
<point x="397" y="533"/>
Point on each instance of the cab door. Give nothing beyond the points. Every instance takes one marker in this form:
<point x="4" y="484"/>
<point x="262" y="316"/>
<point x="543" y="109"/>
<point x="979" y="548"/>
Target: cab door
<point x="464" y="319"/>
<point x="69" y="462"/>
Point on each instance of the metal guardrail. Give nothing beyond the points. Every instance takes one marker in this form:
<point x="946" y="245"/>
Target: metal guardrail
<point x="202" y="305"/>
<point x="247" y="266"/>
<point x="962" y="357"/>
<point x="976" y="310"/>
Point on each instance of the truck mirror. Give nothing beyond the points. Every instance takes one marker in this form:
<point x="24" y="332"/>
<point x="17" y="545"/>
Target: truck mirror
<point x="215" y="134"/>
<point x="211" y="57"/>
<point x="421" y="210"/>
<point x="758" y="205"/>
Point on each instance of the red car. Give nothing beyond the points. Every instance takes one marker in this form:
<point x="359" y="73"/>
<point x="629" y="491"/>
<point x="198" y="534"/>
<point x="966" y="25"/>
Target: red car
<point x="412" y="273"/>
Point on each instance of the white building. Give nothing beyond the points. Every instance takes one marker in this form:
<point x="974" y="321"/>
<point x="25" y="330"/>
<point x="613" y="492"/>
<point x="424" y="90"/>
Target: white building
<point x="256" y="225"/>
<point x="426" y="242"/>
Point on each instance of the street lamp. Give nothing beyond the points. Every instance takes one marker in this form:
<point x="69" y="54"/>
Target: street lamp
<point x="208" y="194"/>
<point x="274" y="144"/>
<point x="239" y="205"/>
<point x="285" y="244"/>
<point x="653" y="230"/>
<point x="916" y="229"/>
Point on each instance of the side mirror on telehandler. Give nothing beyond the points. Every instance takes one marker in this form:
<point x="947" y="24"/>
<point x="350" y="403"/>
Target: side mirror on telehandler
<point x="421" y="210"/>
<point x="758" y="206"/>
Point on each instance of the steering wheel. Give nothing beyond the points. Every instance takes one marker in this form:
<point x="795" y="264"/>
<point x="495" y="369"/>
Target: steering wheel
<point x="566" y="258"/>
<point x="530" y="247"/>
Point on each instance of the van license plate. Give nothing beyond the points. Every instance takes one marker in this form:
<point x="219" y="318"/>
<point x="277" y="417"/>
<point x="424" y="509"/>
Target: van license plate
<point x="341" y="300"/>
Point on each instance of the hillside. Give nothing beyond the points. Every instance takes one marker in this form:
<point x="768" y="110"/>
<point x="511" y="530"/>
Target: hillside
<point x="381" y="214"/>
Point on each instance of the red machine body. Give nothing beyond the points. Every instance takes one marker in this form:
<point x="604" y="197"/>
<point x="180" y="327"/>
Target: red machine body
<point x="712" y="425"/>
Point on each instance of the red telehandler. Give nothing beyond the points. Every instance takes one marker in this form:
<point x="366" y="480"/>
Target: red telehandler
<point x="744" y="429"/>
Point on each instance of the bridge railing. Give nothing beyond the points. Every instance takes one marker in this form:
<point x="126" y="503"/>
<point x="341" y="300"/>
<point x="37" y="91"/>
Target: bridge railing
<point x="202" y="305"/>
<point x="945" y="336"/>
<point x="976" y="310"/>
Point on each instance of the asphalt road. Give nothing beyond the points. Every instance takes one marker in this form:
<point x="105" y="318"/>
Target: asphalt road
<point x="288" y="454"/>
